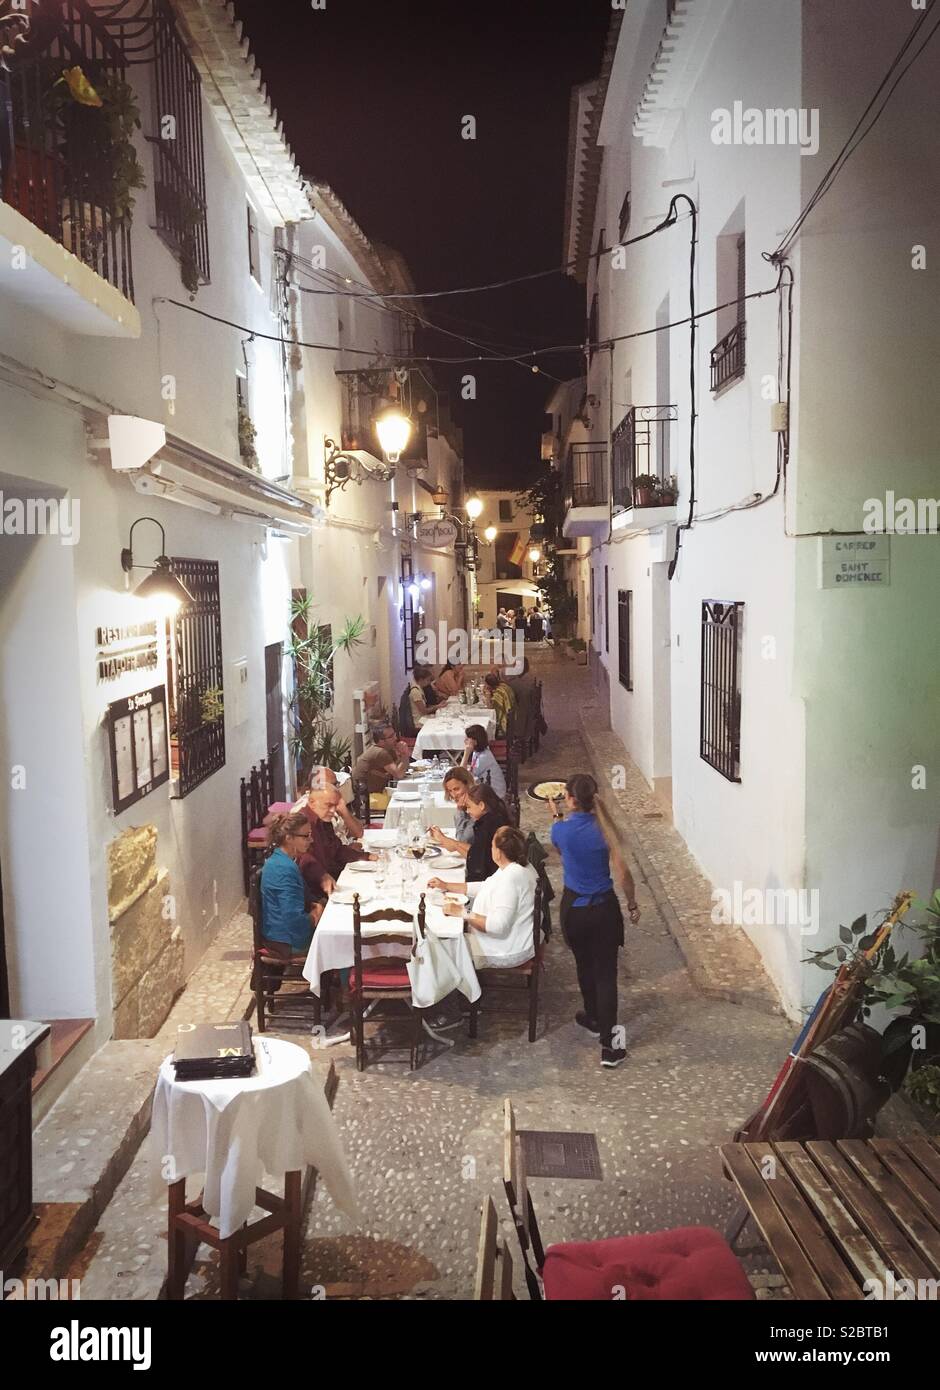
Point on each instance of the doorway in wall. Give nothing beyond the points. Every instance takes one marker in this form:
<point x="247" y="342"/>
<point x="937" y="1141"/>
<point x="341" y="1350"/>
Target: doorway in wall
<point x="274" y="709"/>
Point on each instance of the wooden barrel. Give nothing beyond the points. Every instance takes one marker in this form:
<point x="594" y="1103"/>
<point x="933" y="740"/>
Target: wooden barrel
<point x="844" y="1083"/>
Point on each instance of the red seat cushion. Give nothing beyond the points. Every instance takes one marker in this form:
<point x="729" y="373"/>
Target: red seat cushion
<point x="280" y="808"/>
<point x="691" y="1263"/>
<point x="381" y="977"/>
<point x="258" y="836"/>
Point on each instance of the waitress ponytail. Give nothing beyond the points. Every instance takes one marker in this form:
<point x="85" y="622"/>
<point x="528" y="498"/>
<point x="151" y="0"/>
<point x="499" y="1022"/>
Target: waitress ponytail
<point x="583" y="789"/>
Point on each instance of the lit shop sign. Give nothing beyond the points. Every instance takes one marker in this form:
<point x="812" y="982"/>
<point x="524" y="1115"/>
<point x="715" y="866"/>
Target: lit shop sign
<point x="124" y="649"/>
<point x="137" y="732"/>
<point x="437" y="533"/>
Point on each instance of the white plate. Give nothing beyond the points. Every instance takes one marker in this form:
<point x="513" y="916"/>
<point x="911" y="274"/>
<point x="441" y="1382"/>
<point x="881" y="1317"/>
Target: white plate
<point x="450" y="861"/>
<point x="363" y="866"/>
<point x="344" y="896"/>
<point x="407" y="796"/>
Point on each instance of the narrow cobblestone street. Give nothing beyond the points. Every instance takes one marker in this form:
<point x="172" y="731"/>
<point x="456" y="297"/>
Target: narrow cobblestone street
<point x="426" y="1146"/>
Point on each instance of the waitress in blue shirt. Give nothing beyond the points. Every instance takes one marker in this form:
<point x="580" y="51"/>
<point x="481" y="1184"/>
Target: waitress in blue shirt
<point x="590" y="913"/>
<point x="287" y="926"/>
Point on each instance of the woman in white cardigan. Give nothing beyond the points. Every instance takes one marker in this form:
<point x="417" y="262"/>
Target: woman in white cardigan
<point x="503" y="910"/>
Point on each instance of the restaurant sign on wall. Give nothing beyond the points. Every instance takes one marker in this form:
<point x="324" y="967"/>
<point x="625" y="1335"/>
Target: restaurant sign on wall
<point x="438" y="533"/>
<point x="124" y="649"/>
<point x="140" y="758"/>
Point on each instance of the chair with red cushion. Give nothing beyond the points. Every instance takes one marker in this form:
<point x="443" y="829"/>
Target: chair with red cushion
<point x="525" y="975"/>
<point x="688" y="1264"/>
<point x="382" y="977"/>
<point x="277" y="982"/>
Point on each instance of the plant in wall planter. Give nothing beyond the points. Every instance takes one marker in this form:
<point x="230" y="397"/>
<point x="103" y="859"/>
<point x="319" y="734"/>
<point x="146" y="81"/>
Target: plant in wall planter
<point x="646" y="490"/>
<point x="313" y="739"/>
<point x="247" y="434"/>
<point x="669" y="491"/>
<point x="211" y="705"/>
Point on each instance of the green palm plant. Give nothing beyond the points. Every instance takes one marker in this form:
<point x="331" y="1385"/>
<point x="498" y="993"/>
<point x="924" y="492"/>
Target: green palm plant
<point x="313" y="740"/>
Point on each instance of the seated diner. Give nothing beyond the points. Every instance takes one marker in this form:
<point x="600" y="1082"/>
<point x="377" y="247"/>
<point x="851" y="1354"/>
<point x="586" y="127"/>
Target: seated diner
<point x="503" y="906"/>
<point x="286" y="924"/>
<point x="478" y="756"/>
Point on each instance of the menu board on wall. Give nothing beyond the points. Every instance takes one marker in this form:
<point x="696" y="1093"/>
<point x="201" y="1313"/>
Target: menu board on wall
<point x="137" y="732"/>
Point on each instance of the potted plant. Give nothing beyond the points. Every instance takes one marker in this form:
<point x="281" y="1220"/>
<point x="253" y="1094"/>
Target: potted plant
<point x="645" y="490"/>
<point x="178" y="210"/>
<point x="313" y="740"/>
<point x="247" y="434"/>
<point x="211" y="705"/>
<point x="669" y="491"/>
<point x="911" y="1039"/>
<point x="98" y="120"/>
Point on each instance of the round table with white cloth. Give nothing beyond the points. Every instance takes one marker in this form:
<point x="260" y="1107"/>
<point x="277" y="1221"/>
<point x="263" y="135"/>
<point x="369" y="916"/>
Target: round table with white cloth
<point x="277" y="1121"/>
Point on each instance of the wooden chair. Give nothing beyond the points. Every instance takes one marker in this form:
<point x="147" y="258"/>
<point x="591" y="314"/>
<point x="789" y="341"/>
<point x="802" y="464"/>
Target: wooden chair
<point x="494" y="1262"/>
<point x="288" y="1007"/>
<point x="256" y="793"/>
<point x="382" y="977"/>
<point x="494" y="977"/>
<point x="692" y="1263"/>
<point x="537" y="718"/>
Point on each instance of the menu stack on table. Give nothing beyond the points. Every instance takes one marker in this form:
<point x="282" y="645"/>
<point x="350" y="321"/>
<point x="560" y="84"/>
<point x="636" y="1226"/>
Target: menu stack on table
<point x="214" y="1052"/>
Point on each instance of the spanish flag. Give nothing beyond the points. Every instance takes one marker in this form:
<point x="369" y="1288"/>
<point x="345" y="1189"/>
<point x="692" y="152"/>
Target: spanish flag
<point x="517" y="554"/>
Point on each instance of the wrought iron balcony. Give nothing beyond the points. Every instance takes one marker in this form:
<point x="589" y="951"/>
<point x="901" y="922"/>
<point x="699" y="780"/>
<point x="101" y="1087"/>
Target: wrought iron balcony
<point x="641" y="449"/>
<point x="66" y="159"/>
<point x="586" y="476"/>
<point x="727" y="358"/>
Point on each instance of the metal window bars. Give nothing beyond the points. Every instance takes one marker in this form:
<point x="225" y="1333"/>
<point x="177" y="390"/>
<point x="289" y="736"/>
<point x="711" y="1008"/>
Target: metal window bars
<point x="585" y="480"/>
<point x="624" y="637"/>
<point x="720" y="691"/>
<point x="197" y="669"/>
<point x="640" y="447"/>
<point x="58" y="148"/>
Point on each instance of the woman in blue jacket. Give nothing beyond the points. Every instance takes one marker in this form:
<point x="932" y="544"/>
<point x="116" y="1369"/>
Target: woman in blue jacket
<point x="286" y="923"/>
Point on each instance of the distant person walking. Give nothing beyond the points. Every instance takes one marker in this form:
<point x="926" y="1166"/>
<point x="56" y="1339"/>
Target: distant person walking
<point x="591" y="920"/>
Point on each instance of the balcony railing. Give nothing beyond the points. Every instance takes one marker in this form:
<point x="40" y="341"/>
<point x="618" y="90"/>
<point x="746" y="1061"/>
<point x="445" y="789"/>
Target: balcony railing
<point x="586" y="476"/>
<point x="641" y="448"/>
<point x="58" y="141"/>
<point x="727" y="358"/>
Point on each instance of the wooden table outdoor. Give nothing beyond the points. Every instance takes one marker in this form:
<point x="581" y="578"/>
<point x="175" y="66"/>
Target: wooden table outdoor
<point x="835" y="1214"/>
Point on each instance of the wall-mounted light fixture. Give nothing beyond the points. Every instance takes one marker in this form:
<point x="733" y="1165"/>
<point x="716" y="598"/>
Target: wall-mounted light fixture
<point x="161" y="583"/>
<point x="490" y="534"/>
<point x="394" y="430"/>
<point x="473" y="507"/>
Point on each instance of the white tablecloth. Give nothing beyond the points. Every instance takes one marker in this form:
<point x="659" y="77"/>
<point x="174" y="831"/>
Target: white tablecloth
<point x="332" y="944"/>
<point x="402" y="812"/>
<point x="447" y="728"/>
<point x="234" y="1132"/>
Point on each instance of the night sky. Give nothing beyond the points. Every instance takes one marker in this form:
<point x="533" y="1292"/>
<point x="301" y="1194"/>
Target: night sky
<point x="372" y="92"/>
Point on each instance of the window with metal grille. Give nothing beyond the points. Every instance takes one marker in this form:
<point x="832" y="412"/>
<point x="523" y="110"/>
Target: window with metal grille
<point x="197" y="722"/>
<point x="624" y="636"/>
<point x="180" y="174"/>
<point x="606" y="613"/>
<point x="408" y="615"/>
<point x="720" y="722"/>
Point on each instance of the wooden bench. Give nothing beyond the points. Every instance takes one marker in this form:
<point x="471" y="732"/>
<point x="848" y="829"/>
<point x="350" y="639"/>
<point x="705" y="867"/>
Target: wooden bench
<point x="836" y="1214"/>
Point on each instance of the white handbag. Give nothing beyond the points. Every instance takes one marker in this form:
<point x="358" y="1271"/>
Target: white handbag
<point x="432" y="972"/>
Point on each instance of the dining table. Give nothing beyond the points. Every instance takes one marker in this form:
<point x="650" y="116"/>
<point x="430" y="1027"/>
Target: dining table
<point x="447" y="727"/>
<point x="411" y="800"/>
<point x="395" y="882"/>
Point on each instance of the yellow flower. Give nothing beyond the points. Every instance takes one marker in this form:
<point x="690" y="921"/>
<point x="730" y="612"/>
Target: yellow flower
<point x="80" y="88"/>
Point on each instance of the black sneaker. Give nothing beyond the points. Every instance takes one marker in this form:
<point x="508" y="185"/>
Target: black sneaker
<point x="613" y="1056"/>
<point x="588" y="1024"/>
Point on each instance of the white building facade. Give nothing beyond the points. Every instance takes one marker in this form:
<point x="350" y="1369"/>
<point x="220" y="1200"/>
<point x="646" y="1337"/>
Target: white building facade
<point x="148" y="375"/>
<point x="748" y="627"/>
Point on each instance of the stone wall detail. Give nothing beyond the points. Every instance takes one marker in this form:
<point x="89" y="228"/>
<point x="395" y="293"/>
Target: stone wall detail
<point x="147" y="969"/>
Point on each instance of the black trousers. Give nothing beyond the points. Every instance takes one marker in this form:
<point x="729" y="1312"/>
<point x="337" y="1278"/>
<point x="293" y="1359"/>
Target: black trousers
<point x="595" y="934"/>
